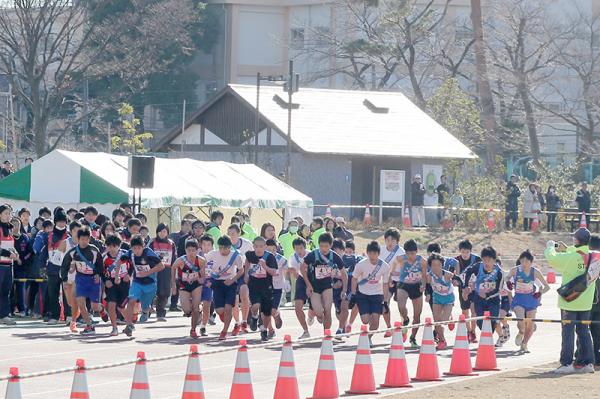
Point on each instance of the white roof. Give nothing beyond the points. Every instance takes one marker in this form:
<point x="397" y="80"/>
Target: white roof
<point x="339" y="122"/>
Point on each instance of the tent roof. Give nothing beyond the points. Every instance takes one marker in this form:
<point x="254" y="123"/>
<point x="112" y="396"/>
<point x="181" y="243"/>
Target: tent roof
<point x="102" y="178"/>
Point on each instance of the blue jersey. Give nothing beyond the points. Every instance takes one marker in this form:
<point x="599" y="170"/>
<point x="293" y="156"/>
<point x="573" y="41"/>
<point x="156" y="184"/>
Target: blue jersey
<point x="450" y="264"/>
<point x="411" y="273"/>
<point x="147" y="261"/>
<point x="350" y="262"/>
<point x="443" y="290"/>
<point x="524" y="283"/>
<point x="487" y="283"/>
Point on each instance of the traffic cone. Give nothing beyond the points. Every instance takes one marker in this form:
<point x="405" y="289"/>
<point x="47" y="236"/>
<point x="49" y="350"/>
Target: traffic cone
<point x="79" y="389"/>
<point x="193" y="387"/>
<point x="486" y="354"/>
<point x="242" y="381"/>
<point x="535" y="223"/>
<point x="140" y="389"/>
<point x="406" y="218"/>
<point x="13" y="388"/>
<point x="367" y="219"/>
<point x="328" y="211"/>
<point x="583" y="221"/>
<point x="286" y="386"/>
<point x="396" y="375"/>
<point x="461" y="356"/>
<point x="427" y="368"/>
<point x="491" y="221"/>
<point x="363" y="380"/>
<point x="326" y="383"/>
<point x="551" y="277"/>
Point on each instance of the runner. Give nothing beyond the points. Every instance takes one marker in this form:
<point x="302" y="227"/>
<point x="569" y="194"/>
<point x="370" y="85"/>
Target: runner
<point x="8" y="255"/>
<point x="300" y="296"/>
<point x="502" y="328"/>
<point x="197" y="232"/>
<point x="350" y="261"/>
<point x="20" y="267"/>
<point x="206" y="245"/>
<point x="484" y="279"/>
<point x="133" y="229"/>
<point x="465" y="260"/>
<point x="441" y="282"/>
<point x="411" y="270"/>
<point x="280" y="285"/>
<point x="89" y="219"/>
<point x="260" y="267"/>
<point x="191" y="272"/>
<point x="389" y="252"/>
<point x="226" y="268"/>
<point x="526" y="299"/>
<point x="166" y="251"/>
<point x="69" y="286"/>
<point x="318" y="270"/>
<point x="86" y="260"/>
<point x="212" y="229"/>
<point x="286" y="240"/>
<point x="370" y="286"/>
<point x="117" y="276"/>
<point x="340" y="285"/>
<point x="146" y="265"/>
<point x="242" y="246"/>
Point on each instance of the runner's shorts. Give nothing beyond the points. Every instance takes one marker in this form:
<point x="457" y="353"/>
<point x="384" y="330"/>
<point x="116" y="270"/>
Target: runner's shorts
<point x="413" y="290"/>
<point x="337" y="300"/>
<point x="369" y="304"/>
<point x="263" y="296"/>
<point x="277" y="293"/>
<point x="86" y="287"/>
<point x="207" y="294"/>
<point x="223" y="294"/>
<point x="526" y="301"/>
<point x="465" y="305"/>
<point x="118" y="294"/>
<point x="142" y="293"/>
<point x="300" y="294"/>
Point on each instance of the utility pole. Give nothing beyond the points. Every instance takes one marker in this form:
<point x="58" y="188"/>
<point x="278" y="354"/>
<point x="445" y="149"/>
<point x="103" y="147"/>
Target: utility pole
<point x="292" y="86"/>
<point x="183" y="126"/>
<point x="257" y="121"/>
<point x="108" y="132"/>
<point x="12" y="125"/>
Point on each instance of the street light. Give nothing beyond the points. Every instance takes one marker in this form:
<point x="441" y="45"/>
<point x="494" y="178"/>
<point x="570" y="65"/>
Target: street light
<point x="260" y="78"/>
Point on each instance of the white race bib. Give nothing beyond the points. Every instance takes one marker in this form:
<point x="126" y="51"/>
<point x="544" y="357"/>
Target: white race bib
<point x="322" y="272"/>
<point x="190" y="277"/>
<point x="83" y="268"/>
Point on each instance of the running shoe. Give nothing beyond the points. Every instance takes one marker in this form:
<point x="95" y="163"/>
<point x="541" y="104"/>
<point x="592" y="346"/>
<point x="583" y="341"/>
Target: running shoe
<point x="73" y="327"/>
<point x="104" y="316"/>
<point x="337" y="334"/>
<point x="348" y="329"/>
<point x="114" y="332"/>
<point x="253" y="323"/>
<point x="451" y="325"/>
<point x="161" y="318"/>
<point x="236" y="330"/>
<point x="128" y="330"/>
<point x="387" y="334"/>
<point x="88" y="330"/>
<point x="193" y="333"/>
<point x="500" y="342"/>
<point x="564" y="369"/>
<point x="589" y="368"/>
<point x="52" y="322"/>
<point x="244" y="327"/>
<point x="441" y="345"/>
<point x="278" y="321"/>
<point x="524" y="348"/>
<point x="472" y="337"/>
<point x="304" y="335"/>
<point x="413" y="342"/>
<point x="144" y="317"/>
<point x="506" y="332"/>
<point x="203" y="331"/>
<point x="310" y="320"/>
<point x="7" y="321"/>
<point x="211" y="320"/>
<point x="271" y="334"/>
<point x="264" y="337"/>
<point x="406" y="322"/>
<point x="519" y="339"/>
<point x="223" y="336"/>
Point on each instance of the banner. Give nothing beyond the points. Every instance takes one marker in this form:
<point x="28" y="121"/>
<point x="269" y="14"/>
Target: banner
<point x="431" y="179"/>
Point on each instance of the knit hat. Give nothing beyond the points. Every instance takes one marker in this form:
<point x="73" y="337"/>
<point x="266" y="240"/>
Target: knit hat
<point x="60" y="216"/>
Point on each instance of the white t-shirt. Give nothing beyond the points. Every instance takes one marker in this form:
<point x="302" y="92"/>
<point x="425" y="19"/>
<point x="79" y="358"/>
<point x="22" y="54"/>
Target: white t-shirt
<point x="389" y="256"/>
<point x="279" y="278"/>
<point x="296" y="261"/>
<point x="217" y="263"/>
<point x="363" y="270"/>
<point x="243" y="245"/>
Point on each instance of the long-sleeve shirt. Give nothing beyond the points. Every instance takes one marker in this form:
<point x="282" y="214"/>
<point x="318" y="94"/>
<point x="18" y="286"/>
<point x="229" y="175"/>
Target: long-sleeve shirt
<point x="94" y="264"/>
<point x="488" y="283"/>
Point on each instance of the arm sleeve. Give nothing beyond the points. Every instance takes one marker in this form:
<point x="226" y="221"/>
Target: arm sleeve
<point x="468" y="273"/>
<point x="558" y="260"/>
<point x="99" y="265"/>
<point x="64" y="268"/>
<point x="38" y="243"/>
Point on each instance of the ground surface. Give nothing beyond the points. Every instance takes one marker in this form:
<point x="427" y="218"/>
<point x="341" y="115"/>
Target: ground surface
<point x="32" y="346"/>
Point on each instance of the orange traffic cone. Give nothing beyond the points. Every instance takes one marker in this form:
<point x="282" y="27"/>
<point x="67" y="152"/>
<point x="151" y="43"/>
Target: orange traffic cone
<point x="328" y="211"/>
<point x="242" y="381"/>
<point x="367" y="219"/>
<point x="363" y="380"/>
<point x="13" y="389"/>
<point x="583" y="221"/>
<point x="287" y="384"/>
<point x="326" y="383"/>
<point x="193" y="387"/>
<point x="535" y="223"/>
<point x="406" y="218"/>
<point x="427" y="368"/>
<point x="461" y="356"/>
<point x="491" y="221"/>
<point x="79" y="389"/>
<point x="140" y="389"/>
<point x="486" y="354"/>
<point x="551" y="277"/>
<point x="396" y="375"/>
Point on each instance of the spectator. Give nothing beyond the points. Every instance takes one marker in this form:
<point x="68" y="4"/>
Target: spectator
<point x="417" y="195"/>
<point x="6" y="169"/>
<point x="443" y="193"/>
<point x="28" y="161"/>
<point x="595" y="313"/>
<point x="571" y="263"/>
<point x="584" y="201"/>
<point x="552" y="206"/>
<point x="531" y="206"/>
<point x="457" y="201"/>
<point x="512" y="194"/>
<point x="340" y="231"/>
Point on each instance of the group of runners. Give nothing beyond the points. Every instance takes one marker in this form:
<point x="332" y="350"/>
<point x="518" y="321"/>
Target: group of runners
<point x="112" y="268"/>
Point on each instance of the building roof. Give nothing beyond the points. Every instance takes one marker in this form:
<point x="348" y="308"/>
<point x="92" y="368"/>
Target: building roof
<point x="349" y="122"/>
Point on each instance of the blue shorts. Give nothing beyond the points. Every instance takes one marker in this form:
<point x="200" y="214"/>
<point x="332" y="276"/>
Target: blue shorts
<point x="369" y="304"/>
<point x="223" y="294"/>
<point x="142" y="293"/>
<point x="300" y="290"/>
<point x="526" y="301"/>
<point x="86" y="287"/>
<point x="505" y="304"/>
<point x="276" y="298"/>
<point x="207" y="294"/>
<point x="349" y="288"/>
<point x="337" y="300"/>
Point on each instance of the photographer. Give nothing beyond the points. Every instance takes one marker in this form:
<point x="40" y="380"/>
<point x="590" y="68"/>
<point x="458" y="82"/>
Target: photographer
<point x="572" y="262"/>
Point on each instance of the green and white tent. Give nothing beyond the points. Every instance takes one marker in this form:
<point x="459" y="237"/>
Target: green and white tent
<point x="76" y="179"/>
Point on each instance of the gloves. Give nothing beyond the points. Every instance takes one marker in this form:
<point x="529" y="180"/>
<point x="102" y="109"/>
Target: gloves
<point x="550" y="243"/>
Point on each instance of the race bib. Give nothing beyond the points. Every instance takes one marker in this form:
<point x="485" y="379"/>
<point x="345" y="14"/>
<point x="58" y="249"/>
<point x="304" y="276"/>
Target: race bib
<point x="56" y="257"/>
<point x="440" y="288"/>
<point x="487" y="286"/>
<point x="83" y="268"/>
<point x="413" y="278"/>
<point x="523" y="288"/>
<point x="257" y="271"/>
<point x="166" y="257"/>
<point x="322" y="272"/>
<point x="190" y="277"/>
<point x="8" y="245"/>
<point x="122" y="270"/>
<point x="141" y="268"/>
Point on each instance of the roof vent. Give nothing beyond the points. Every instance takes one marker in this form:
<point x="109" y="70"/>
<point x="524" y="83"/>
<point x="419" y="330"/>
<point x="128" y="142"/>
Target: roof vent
<point x="284" y="104"/>
<point x="375" y="109"/>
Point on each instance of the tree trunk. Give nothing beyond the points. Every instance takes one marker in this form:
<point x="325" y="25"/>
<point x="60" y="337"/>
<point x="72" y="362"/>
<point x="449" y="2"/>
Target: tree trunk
<point x="39" y="134"/>
<point x="488" y="117"/>
<point x="530" y="121"/>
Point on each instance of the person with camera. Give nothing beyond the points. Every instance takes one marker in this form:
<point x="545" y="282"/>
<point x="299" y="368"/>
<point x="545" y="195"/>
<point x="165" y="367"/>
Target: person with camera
<point x="575" y="300"/>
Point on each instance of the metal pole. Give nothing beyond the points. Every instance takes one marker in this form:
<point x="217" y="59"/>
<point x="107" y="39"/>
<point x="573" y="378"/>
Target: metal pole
<point x="183" y="126"/>
<point x="257" y="122"/>
<point x="109" y="138"/>
<point x="288" y="163"/>
<point x="12" y="125"/>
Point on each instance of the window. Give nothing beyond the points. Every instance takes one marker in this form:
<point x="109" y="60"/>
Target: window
<point x="297" y="38"/>
<point x="560" y="148"/>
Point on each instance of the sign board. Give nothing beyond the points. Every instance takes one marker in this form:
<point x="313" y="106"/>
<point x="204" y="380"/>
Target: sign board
<point x="431" y="179"/>
<point x="391" y="188"/>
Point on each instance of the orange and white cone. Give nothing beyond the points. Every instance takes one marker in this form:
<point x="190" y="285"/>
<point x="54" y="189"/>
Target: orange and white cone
<point x="367" y="219"/>
<point x="461" y="356"/>
<point x="551" y="277"/>
<point x="328" y="211"/>
<point x="326" y="383"/>
<point x="286" y="386"/>
<point x="396" y="375"/>
<point x="535" y="223"/>
<point x="427" y="368"/>
<point x="406" y="218"/>
<point x="583" y="221"/>
<point x="486" y="353"/>
<point x="363" y="379"/>
<point x="193" y="387"/>
<point x="13" y="388"/>
<point x="242" y="381"/>
<point x="79" y="389"/>
<point x="140" y="388"/>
